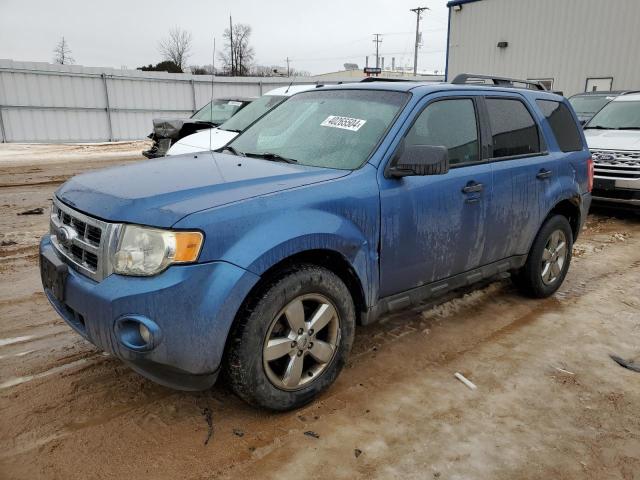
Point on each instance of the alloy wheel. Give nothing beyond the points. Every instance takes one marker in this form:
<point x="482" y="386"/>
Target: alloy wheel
<point x="554" y="257"/>
<point x="301" y="341"/>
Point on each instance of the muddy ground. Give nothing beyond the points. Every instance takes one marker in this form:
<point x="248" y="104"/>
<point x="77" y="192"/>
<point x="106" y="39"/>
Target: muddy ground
<point x="550" y="403"/>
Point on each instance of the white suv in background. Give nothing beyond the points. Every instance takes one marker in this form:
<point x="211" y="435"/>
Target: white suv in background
<point x="613" y="136"/>
<point x="215" y="138"/>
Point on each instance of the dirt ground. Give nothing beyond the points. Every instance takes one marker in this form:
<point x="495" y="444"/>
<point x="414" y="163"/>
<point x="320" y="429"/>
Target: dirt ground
<point x="550" y="403"/>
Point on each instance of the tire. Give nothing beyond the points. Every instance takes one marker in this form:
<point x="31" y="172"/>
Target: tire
<point x="255" y="366"/>
<point x="533" y="279"/>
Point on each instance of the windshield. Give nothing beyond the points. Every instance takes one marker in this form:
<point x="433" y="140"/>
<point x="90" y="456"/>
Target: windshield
<point x="589" y="104"/>
<point x="620" y="115"/>
<point x="330" y="128"/>
<point x="217" y="111"/>
<point x="251" y="113"/>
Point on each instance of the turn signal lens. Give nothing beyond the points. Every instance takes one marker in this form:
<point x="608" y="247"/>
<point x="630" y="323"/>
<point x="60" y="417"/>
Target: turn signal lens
<point x="145" y="251"/>
<point x="188" y="246"/>
<point x="590" y="174"/>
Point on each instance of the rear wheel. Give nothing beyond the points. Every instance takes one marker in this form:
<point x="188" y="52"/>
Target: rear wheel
<point x="292" y="340"/>
<point x="548" y="260"/>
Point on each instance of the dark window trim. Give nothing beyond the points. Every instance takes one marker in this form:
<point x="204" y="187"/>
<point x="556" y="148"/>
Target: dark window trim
<point x="474" y="100"/>
<point x="542" y="144"/>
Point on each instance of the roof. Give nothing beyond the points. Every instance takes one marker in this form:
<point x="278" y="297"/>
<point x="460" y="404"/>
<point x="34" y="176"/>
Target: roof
<point x="453" y="3"/>
<point x="605" y="93"/>
<point x="632" y="97"/>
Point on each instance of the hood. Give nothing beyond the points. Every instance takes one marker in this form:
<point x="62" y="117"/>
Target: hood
<point x="210" y="139"/>
<point x="161" y="192"/>
<point x="612" y="139"/>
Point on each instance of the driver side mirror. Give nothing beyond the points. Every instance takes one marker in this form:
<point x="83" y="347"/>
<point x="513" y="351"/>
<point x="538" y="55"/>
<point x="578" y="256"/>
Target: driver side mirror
<point x="416" y="160"/>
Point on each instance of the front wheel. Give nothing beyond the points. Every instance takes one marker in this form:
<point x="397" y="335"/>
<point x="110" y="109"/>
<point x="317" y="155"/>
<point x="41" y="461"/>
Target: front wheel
<point x="548" y="260"/>
<point x="292" y="339"/>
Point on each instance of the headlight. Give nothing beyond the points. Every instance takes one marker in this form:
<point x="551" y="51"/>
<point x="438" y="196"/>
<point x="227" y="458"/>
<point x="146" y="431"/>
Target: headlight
<point x="146" y="251"/>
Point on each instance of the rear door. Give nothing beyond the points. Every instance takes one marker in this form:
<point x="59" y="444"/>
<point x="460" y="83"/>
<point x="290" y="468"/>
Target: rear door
<point x="523" y="175"/>
<point x="433" y="227"/>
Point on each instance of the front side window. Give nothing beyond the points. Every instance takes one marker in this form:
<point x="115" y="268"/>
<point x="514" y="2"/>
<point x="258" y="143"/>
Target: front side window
<point x="513" y="129"/>
<point x="323" y="128"/>
<point x="218" y="111"/>
<point x="562" y="124"/>
<point x="451" y="124"/>
<point x="617" y="115"/>
<point x="252" y="112"/>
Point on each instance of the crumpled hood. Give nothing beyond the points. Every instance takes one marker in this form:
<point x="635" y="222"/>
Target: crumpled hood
<point x="612" y="139"/>
<point x="161" y="192"/>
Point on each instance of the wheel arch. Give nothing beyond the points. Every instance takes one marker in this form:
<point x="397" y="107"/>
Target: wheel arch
<point x="332" y="260"/>
<point x="569" y="208"/>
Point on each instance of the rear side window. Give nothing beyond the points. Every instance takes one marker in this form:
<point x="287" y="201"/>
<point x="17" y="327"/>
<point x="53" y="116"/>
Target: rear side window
<point x="451" y="124"/>
<point x="513" y="129"/>
<point x="563" y="125"/>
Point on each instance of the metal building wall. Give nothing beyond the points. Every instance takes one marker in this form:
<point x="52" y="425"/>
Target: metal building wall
<point x="41" y="102"/>
<point x="567" y="40"/>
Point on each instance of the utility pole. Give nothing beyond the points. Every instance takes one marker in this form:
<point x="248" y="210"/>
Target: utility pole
<point x="377" y="41"/>
<point x="231" y="45"/>
<point x="288" y="71"/>
<point x="418" y="11"/>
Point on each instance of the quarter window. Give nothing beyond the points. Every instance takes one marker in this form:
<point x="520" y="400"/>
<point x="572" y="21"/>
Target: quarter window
<point x="513" y="129"/>
<point x="448" y="123"/>
<point x="562" y="124"/>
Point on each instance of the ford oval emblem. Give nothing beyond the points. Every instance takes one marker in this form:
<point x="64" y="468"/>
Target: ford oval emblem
<point x="65" y="236"/>
<point x="604" y="157"/>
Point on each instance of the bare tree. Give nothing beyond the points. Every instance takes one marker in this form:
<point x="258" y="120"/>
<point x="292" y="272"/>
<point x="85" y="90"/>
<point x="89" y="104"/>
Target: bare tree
<point x="176" y="47"/>
<point x="62" y="53"/>
<point x="237" y="57"/>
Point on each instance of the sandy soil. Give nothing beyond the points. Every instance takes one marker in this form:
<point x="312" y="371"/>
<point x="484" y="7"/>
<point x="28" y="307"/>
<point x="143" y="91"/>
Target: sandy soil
<point x="549" y="404"/>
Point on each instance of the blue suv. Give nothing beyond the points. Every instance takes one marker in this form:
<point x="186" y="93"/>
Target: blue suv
<point x="342" y="204"/>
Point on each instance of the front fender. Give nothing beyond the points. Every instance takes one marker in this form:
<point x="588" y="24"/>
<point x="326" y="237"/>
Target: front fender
<point x="289" y="234"/>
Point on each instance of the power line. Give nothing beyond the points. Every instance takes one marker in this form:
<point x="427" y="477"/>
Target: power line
<point x="418" y="11"/>
<point x="377" y="41"/>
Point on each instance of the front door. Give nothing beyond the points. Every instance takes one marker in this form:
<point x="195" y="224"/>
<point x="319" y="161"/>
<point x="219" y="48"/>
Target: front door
<point x="433" y="227"/>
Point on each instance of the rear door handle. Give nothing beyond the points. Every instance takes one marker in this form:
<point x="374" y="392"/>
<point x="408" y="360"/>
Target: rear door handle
<point x="473" y="187"/>
<point x="544" y="173"/>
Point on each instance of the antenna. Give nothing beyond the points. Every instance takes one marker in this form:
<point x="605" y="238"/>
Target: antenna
<point x="213" y="74"/>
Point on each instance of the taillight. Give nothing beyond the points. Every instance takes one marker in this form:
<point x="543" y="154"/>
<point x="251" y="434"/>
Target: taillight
<point x="590" y="174"/>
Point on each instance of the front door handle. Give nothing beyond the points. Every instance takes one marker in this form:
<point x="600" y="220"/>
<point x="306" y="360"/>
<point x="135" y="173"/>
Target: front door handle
<point x="544" y="173"/>
<point x="473" y="187"/>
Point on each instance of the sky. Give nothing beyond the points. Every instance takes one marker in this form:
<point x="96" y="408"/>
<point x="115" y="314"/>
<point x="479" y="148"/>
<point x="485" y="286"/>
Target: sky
<point x="318" y="36"/>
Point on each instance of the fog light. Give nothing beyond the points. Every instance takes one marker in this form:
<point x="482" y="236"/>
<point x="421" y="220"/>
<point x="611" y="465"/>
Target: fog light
<point x="138" y="333"/>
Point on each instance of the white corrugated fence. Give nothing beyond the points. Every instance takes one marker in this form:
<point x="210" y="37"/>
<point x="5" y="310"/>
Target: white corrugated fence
<point x="42" y="102"/>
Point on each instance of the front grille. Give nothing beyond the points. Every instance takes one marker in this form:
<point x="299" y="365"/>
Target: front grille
<point x="616" y="165"/>
<point x="84" y="244"/>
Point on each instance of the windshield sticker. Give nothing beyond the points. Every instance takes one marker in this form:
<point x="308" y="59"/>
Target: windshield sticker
<point x="234" y="103"/>
<point x="346" y="123"/>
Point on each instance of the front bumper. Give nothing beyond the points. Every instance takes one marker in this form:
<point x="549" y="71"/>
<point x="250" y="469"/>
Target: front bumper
<point x="193" y="307"/>
<point x="620" y="192"/>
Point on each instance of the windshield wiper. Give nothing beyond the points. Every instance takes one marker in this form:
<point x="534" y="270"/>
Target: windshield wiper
<point x="598" y="127"/>
<point x="232" y="150"/>
<point x="272" y="156"/>
<point x="231" y="130"/>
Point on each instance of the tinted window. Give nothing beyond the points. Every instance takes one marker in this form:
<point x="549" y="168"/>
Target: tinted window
<point x="448" y="123"/>
<point x="563" y="125"/>
<point x="513" y="129"/>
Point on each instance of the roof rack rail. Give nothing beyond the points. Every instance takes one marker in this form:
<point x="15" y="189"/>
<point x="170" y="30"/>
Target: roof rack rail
<point x="470" y="78"/>
<point x="386" y="79"/>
